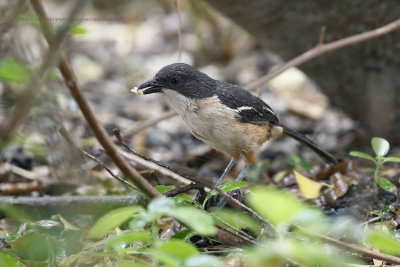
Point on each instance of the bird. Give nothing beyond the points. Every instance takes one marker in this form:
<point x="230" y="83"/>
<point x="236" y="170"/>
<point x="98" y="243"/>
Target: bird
<point x="222" y="115"/>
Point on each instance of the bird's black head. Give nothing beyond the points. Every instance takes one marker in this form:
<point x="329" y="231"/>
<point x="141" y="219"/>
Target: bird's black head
<point x="181" y="78"/>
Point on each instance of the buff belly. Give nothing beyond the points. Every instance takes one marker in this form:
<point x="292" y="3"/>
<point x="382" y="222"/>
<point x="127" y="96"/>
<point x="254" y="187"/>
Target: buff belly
<point x="215" y="124"/>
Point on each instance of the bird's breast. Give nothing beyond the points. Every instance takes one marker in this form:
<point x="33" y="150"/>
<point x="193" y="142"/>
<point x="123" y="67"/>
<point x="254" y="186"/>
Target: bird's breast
<point x="215" y="124"/>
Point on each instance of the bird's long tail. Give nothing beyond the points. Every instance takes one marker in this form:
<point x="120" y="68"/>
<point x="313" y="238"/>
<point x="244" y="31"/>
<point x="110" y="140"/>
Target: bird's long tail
<point x="311" y="144"/>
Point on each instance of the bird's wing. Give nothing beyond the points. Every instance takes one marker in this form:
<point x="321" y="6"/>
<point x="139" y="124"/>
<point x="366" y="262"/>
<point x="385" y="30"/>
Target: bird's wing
<point x="248" y="107"/>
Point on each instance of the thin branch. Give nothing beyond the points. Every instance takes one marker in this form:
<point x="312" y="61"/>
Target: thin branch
<point x="142" y="126"/>
<point x="233" y="235"/>
<point x="88" y="113"/>
<point x="321" y="36"/>
<point x="241" y="232"/>
<point x="66" y="136"/>
<point x="176" y="174"/>
<point x="160" y="168"/>
<point x="183" y="189"/>
<point x="320" y="49"/>
<point x="37" y="80"/>
<point x="353" y="247"/>
<point x="178" y="12"/>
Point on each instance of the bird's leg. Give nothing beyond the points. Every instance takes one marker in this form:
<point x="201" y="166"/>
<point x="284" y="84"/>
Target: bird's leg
<point x="227" y="169"/>
<point x="243" y="173"/>
<point x="222" y="202"/>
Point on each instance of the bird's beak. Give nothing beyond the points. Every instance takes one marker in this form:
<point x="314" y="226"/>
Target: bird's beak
<point x="149" y="87"/>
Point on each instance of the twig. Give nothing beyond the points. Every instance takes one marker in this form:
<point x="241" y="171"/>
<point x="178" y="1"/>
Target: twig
<point x="353" y="247"/>
<point x="321" y="36"/>
<point x="66" y="136"/>
<point x="151" y="163"/>
<point x="322" y="48"/>
<point x="243" y="233"/>
<point x="233" y="235"/>
<point x="178" y="12"/>
<point x="158" y="167"/>
<point x="88" y="113"/>
<point x="36" y="84"/>
<point x="184" y="189"/>
<point x="149" y="123"/>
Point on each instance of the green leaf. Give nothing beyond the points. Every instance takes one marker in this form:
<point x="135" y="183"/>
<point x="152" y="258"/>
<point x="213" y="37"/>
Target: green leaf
<point x="32" y="246"/>
<point x="232" y="186"/>
<point x="279" y="176"/>
<point x="160" y="206"/>
<point x="130" y="263"/>
<point x="385" y="184"/>
<point x="295" y="158"/>
<point x="12" y="71"/>
<point x="165" y="258"/>
<point x="362" y="155"/>
<point x="226" y="188"/>
<point x="192" y="217"/>
<point x="8" y="260"/>
<point x="306" y="166"/>
<point x="391" y="159"/>
<point x="14" y="212"/>
<point x="163" y="188"/>
<point x="200" y="260"/>
<point x="139" y="221"/>
<point x="380" y="145"/>
<point x="273" y="204"/>
<point x="195" y="219"/>
<point x="119" y="242"/>
<point x="77" y="29"/>
<point x="184" y="196"/>
<point x="178" y="248"/>
<point x="384" y="242"/>
<point x="184" y="234"/>
<point x="112" y="219"/>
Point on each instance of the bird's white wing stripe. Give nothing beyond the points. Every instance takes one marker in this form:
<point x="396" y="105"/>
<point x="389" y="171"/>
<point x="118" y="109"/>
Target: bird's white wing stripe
<point x="244" y="108"/>
<point x="268" y="109"/>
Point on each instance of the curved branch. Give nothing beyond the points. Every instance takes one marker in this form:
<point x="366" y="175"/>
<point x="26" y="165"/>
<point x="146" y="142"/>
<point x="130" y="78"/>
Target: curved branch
<point x="322" y="48"/>
<point x="88" y="113"/>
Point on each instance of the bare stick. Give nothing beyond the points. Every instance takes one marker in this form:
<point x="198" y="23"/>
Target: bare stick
<point x="142" y="126"/>
<point x="178" y="12"/>
<point x="37" y="80"/>
<point x="88" y="113"/>
<point x="245" y="240"/>
<point x="353" y="247"/>
<point x="322" y="48"/>
<point x="243" y="233"/>
<point x="151" y="163"/>
<point x="322" y="35"/>
<point x="184" y="189"/>
<point x="66" y="136"/>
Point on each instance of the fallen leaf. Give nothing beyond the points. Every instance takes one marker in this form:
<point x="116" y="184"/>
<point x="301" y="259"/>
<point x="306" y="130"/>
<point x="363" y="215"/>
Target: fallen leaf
<point x="308" y="187"/>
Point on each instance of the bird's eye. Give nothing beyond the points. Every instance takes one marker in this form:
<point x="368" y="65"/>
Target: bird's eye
<point x="174" y="80"/>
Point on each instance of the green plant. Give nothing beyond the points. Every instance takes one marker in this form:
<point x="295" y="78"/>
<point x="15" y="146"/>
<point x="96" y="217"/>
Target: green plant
<point x="383" y="212"/>
<point x="298" y="163"/>
<point x="381" y="148"/>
